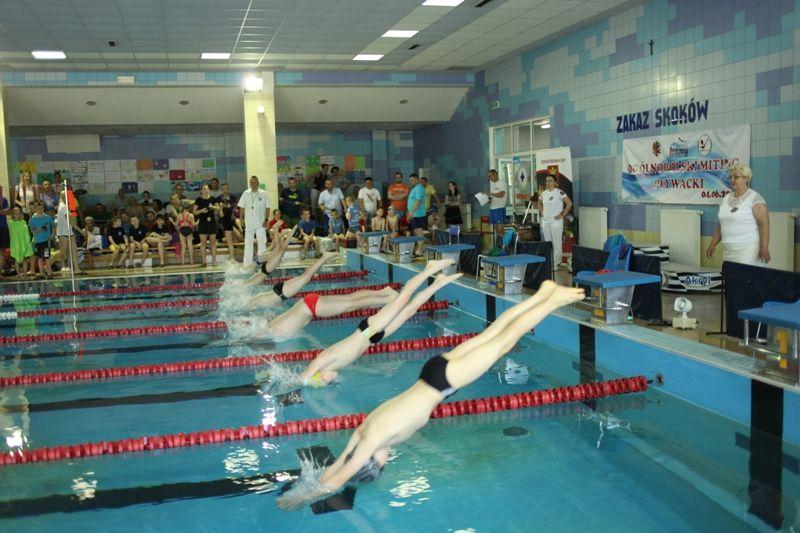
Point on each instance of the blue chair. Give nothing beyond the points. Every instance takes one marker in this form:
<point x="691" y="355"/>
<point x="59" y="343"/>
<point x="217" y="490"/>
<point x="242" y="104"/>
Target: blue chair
<point x="619" y="259"/>
<point x="613" y="241"/>
<point x="454" y="232"/>
<point x="510" y="238"/>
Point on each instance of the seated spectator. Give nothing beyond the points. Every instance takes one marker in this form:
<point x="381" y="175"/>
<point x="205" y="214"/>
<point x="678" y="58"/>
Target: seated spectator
<point x="117" y="242"/>
<point x="126" y="222"/>
<point x="121" y="201"/>
<point x="149" y="220"/>
<point x="158" y="208"/>
<point x="137" y="240"/>
<point x="100" y="214"/>
<point x="92" y="240"/>
<point x="393" y="223"/>
<point x="134" y="209"/>
<point x="160" y="237"/>
<point x="173" y="207"/>
<point x="147" y="201"/>
<point x="306" y="233"/>
<point x="336" y="228"/>
<point x="276" y="225"/>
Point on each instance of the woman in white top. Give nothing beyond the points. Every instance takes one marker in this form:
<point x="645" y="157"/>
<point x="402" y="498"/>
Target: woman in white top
<point x="26" y="193"/>
<point x="65" y="231"/>
<point x="554" y="205"/>
<point x="743" y="225"/>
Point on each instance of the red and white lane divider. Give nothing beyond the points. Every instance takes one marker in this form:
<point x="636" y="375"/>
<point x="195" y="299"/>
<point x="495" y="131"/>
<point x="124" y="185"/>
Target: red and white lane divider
<point x="574" y="393"/>
<point x="182" y="328"/>
<point x="172" y="304"/>
<point x="326" y="276"/>
<point x="223" y="363"/>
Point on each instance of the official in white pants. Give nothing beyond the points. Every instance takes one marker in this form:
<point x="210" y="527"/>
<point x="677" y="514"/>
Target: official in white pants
<point x="554" y="205"/>
<point x="553" y="231"/>
<point x="254" y="209"/>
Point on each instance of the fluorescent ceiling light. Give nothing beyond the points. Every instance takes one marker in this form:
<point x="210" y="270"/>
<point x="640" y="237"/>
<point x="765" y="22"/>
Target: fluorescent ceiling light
<point x="253" y="84"/>
<point x="405" y="34"/>
<point x="215" y="55"/>
<point x="48" y="54"/>
<point x="545" y="126"/>
<point x="445" y="3"/>
<point x="368" y="57"/>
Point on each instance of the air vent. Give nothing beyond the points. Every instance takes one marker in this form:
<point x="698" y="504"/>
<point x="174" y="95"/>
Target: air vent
<point x="413" y="46"/>
<point x="112" y="44"/>
<point x="184" y="102"/>
<point x="90" y="102"/>
<point x="460" y="68"/>
<point x="483" y="3"/>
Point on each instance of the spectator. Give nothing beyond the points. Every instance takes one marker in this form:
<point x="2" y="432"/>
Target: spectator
<point x="26" y="193"/>
<point x="149" y="220"/>
<point x="147" y="201"/>
<point x="554" y="205"/>
<point x="329" y="199"/>
<point x="117" y="242"/>
<point x="185" y="225"/>
<point x="100" y="214"/>
<point x="353" y="216"/>
<point x="452" y="205"/>
<point x="416" y="215"/>
<point x="227" y="222"/>
<point x="340" y="181"/>
<point x="398" y="193"/>
<point x="41" y="225"/>
<point x="134" y="209"/>
<point x="21" y="249"/>
<point x="336" y="228"/>
<point x="498" y="190"/>
<point x="276" y="225"/>
<point x="370" y="198"/>
<point x="254" y="209"/>
<point x="160" y="237"/>
<point x="121" y="202"/>
<point x="66" y="230"/>
<point x="291" y="201"/>
<point x="126" y="222"/>
<point x="137" y="240"/>
<point x="158" y="209"/>
<point x="307" y="226"/>
<point x="49" y="196"/>
<point x="431" y="198"/>
<point x="5" y="239"/>
<point x="92" y="240"/>
<point x="179" y="190"/>
<point x="393" y="223"/>
<point x="317" y="185"/>
<point x="206" y="209"/>
<point x="174" y="206"/>
<point x="378" y="222"/>
<point x="213" y="187"/>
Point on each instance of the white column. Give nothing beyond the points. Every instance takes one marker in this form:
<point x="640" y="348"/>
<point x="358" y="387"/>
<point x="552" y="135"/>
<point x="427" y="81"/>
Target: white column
<point x="259" y="136"/>
<point x="5" y="176"/>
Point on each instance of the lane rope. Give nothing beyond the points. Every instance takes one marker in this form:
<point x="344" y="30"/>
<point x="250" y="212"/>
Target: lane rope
<point x="222" y="363"/>
<point x="183" y="328"/>
<point x="476" y="406"/>
<point x="170" y="304"/>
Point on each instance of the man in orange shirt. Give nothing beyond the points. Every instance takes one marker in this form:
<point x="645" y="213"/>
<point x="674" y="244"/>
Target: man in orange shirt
<point x="398" y="193"/>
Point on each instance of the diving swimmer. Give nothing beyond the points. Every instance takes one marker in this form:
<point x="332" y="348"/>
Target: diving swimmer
<point x="283" y="290"/>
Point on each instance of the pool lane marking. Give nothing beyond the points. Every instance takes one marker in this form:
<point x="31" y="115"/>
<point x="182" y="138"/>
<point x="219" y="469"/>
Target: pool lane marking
<point x="59" y="319"/>
<point x="120" y="349"/>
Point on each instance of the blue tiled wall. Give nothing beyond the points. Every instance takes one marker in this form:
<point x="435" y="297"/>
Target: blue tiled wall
<point x="743" y="56"/>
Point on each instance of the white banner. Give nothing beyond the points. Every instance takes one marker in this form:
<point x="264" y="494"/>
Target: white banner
<point x="682" y="168"/>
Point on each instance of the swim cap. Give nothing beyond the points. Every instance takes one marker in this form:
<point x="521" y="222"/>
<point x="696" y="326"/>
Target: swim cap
<point x="317" y="381"/>
<point x="368" y="473"/>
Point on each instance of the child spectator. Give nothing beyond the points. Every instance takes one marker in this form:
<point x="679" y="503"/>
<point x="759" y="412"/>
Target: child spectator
<point x="92" y="240"/>
<point x="41" y="225"/>
<point x="185" y="225"/>
<point x="393" y="223"/>
<point x="21" y="249"/>
<point x="336" y="228"/>
<point x="160" y="237"/>
<point x="137" y="240"/>
<point x="5" y="240"/>
<point x="276" y="225"/>
<point x="117" y="242"/>
<point x="306" y="228"/>
<point x="353" y="216"/>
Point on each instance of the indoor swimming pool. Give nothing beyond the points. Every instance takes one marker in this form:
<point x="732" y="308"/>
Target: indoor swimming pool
<point x="646" y="461"/>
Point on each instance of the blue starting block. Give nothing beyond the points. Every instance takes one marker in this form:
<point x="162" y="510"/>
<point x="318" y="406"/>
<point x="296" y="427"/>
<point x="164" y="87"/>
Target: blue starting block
<point x="784" y="325"/>
<point x="611" y="293"/>
<point x="506" y="272"/>
<point x="448" y="251"/>
<point x="369" y="242"/>
<point x="403" y="247"/>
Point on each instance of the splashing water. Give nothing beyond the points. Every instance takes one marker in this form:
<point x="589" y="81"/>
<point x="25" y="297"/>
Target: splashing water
<point x="279" y="378"/>
<point x="308" y="486"/>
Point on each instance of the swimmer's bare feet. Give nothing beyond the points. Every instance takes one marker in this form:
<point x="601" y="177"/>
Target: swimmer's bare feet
<point x="389" y="290"/>
<point x="438" y="265"/>
<point x="327" y="256"/>
<point x="441" y="280"/>
<point x="562" y="296"/>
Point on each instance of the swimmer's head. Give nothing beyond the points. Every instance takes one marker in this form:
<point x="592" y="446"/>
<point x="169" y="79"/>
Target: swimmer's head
<point x="316" y="381"/>
<point x="368" y="473"/>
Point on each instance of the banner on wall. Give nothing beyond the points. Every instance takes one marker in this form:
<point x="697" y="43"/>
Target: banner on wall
<point x="682" y="168"/>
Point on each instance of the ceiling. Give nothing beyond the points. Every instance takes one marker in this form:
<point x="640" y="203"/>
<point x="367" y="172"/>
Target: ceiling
<point x="304" y="35"/>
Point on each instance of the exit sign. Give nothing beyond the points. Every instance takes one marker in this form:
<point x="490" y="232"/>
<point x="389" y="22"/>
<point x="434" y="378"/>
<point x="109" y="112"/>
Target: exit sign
<point x="494" y="104"/>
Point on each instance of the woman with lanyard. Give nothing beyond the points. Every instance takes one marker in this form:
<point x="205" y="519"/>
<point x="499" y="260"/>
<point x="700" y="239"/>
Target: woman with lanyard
<point x="205" y="212"/>
<point x="743" y="226"/>
<point x="26" y="193"/>
<point x="554" y="205"/>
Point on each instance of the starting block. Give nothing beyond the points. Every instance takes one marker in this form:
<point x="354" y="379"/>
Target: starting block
<point x="369" y="242"/>
<point x="506" y="272"/>
<point x="611" y="293"/>
<point x="402" y="248"/>
<point x="448" y="251"/>
<point x="784" y="326"/>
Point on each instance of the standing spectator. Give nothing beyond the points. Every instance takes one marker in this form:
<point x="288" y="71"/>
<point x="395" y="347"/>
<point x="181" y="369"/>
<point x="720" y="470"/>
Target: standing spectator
<point x="185" y="225"/>
<point x="416" y="216"/>
<point x="340" y="181"/>
<point x="398" y="194"/>
<point x="317" y="185"/>
<point x="65" y="231"/>
<point x="431" y="198"/>
<point x="160" y="237"/>
<point x="41" y="226"/>
<point x="117" y="242"/>
<point x="174" y="206"/>
<point x="137" y="240"/>
<point x="498" y="191"/>
<point x="21" y="249"/>
<point x="49" y="196"/>
<point x="291" y="202"/>
<point x="92" y="240"/>
<point x="26" y="193"/>
<point x="5" y="240"/>
<point x="452" y="205"/>
<point x="205" y="212"/>
<point x="743" y="226"/>
<point x="329" y="199"/>
<point x="179" y="190"/>
<point x="254" y="209"/>
<point x="554" y="205"/>
<point x="227" y="221"/>
<point x="353" y="217"/>
<point x="370" y="198"/>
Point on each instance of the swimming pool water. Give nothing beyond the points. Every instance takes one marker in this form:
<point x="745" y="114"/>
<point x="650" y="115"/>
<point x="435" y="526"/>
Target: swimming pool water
<point x="645" y="462"/>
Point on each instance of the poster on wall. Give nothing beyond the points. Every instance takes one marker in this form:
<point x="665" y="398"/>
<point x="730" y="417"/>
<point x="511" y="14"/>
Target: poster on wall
<point x="682" y="168"/>
<point x="130" y="187"/>
<point x="329" y="160"/>
<point x="312" y="164"/>
<point x="284" y="166"/>
<point x="127" y="170"/>
<point x="177" y="175"/>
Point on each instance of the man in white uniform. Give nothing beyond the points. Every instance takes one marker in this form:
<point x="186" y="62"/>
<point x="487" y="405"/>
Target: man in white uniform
<point x="254" y="211"/>
<point x="554" y="205"/>
<point x="369" y="197"/>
